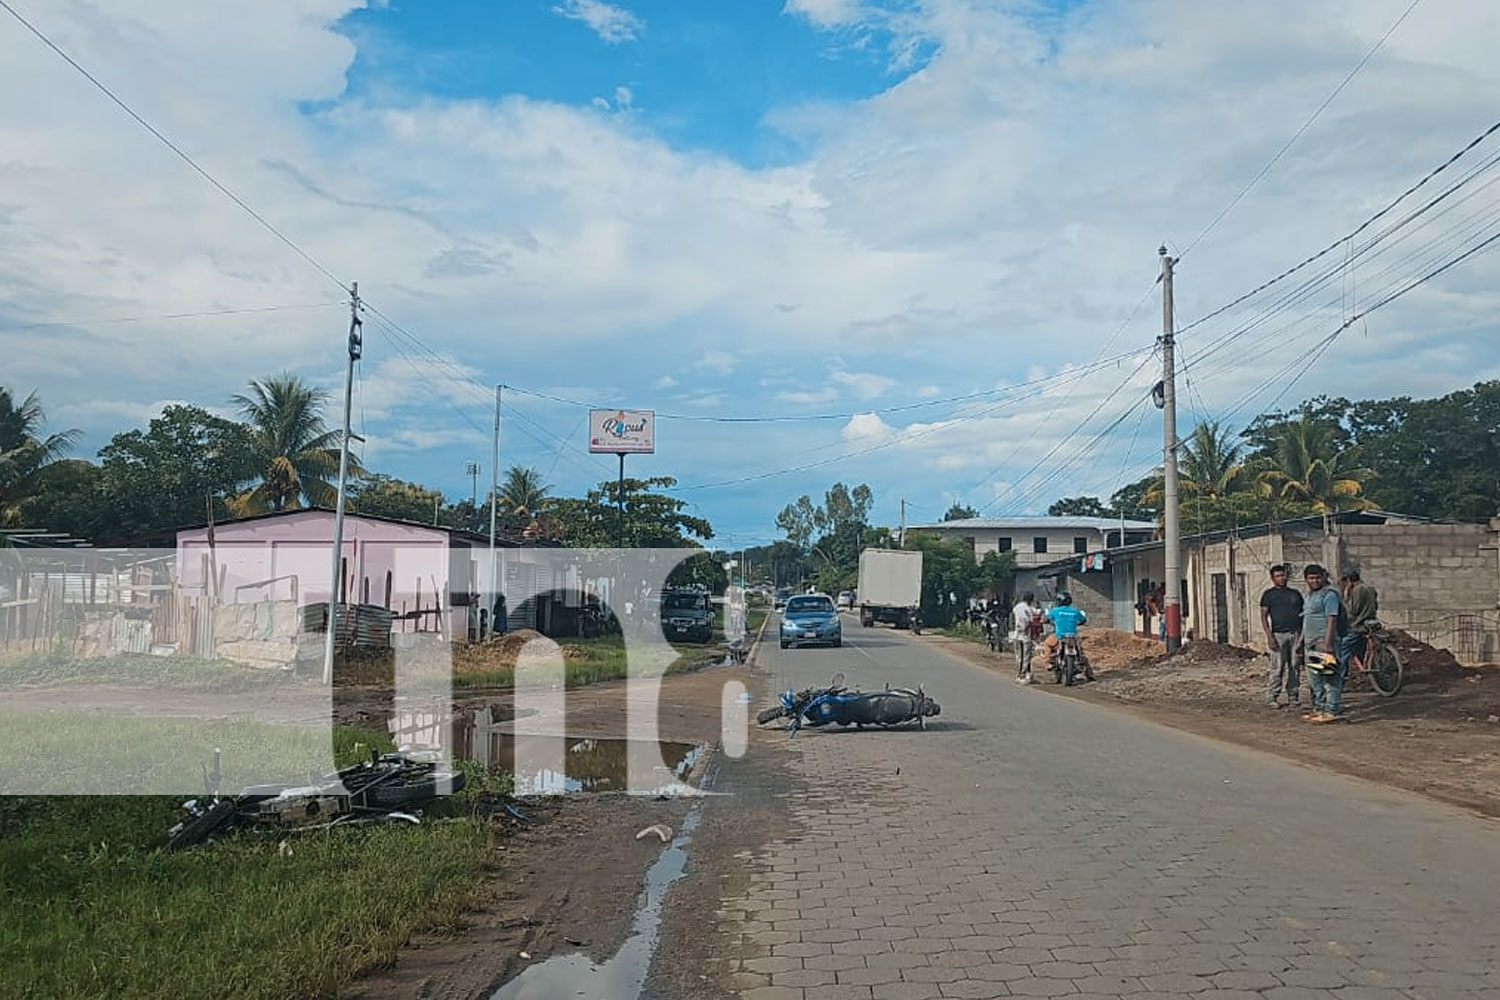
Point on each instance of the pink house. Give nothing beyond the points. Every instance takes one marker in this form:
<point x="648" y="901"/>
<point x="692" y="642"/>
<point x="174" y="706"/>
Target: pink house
<point x="421" y="571"/>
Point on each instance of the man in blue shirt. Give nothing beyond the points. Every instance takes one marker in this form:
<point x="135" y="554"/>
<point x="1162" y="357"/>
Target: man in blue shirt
<point x="1322" y="614"/>
<point x="1065" y="618"/>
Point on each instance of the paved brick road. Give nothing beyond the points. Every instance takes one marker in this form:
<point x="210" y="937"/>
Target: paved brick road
<point x="1029" y="845"/>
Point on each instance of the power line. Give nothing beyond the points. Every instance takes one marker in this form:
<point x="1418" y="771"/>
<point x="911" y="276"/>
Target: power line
<point x="167" y="316"/>
<point x="1303" y="264"/>
<point x="1298" y="134"/>
<point x="143" y="123"/>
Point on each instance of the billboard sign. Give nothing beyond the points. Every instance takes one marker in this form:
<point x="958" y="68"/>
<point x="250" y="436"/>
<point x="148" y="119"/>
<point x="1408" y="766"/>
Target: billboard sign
<point x="622" y="432"/>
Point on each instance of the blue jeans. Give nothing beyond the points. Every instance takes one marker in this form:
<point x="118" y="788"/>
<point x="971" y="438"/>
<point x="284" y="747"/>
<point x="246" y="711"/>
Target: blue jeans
<point x="1328" y="689"/>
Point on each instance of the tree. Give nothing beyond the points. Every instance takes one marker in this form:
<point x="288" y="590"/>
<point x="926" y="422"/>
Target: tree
<point x="1134" y="502"/>
<point x="960" y="512"/>
<point x="24" y="450"/>
<point x="297" y="455"/>
<point x="799" y="521"/>
<point x="1211" y="465"/>
<point x="1307" y="465"/>
<point x="652" y="519"/>
<point x="523" y="497"/>
<point x="170" y="474"/>
<point x="1079" y="507"/>
<point x="950" y="575"/>
<point x="68" y="496"/>
<point x="387" y="496"/>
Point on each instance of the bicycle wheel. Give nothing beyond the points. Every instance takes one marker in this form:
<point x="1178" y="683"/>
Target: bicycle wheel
<point x="1386" y="670"/>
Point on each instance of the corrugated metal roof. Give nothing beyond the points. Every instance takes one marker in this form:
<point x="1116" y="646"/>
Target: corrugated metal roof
<point x="1035" y="522"/>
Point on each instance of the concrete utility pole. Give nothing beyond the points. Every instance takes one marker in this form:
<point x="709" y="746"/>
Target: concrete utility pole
<point x="472" y="470"/>
<point x="901" y="537"/>
<point x="336" y="578"/>
<point x="1173" y="545"/>
<point x="495" y="498"/>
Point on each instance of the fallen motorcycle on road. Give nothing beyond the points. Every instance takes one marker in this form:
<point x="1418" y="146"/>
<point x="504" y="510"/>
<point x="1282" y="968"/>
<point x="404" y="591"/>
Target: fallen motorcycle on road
<point x="384" y="788"/>
<point x="837" y="705"/>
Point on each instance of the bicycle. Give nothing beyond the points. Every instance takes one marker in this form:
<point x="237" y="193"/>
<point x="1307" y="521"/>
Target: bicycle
<point x="1380" y="661"/>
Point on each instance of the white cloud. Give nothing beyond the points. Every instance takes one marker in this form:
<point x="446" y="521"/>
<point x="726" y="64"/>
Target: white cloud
<point x="611" y="23"/>
<point x="865" y="429"/>
<point x="808" y="397"/>
<point x="929" y="391"/>
<point x="864" y="384"/>
<point x="717" y="362"/>
<point x="824" y="13"/>
<point x="665" y="382"/>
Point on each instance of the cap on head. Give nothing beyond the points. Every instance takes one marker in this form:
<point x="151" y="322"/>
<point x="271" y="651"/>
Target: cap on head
<point x="1313" y="569"/>
<point x="1351" y="573"/>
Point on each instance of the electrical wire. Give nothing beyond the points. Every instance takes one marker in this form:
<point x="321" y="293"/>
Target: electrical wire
<point x="166" y="316"/>
<point x="1261" y="173"/>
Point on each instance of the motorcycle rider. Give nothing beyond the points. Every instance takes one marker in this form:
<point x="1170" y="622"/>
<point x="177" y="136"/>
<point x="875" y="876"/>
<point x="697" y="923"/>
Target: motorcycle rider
<point x="1065" y="620"/>
<point x="1026" y="619"/>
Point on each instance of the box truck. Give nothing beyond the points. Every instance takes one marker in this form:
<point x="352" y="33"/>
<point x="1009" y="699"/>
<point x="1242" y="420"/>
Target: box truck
<point x="890" y="586"/>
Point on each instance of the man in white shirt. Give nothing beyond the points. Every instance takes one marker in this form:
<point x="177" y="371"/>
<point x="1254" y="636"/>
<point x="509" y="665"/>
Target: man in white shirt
<point x="1026" y="617"/>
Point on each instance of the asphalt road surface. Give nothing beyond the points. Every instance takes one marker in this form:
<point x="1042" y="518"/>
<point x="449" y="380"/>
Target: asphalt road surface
<point x="1031" y="845"/>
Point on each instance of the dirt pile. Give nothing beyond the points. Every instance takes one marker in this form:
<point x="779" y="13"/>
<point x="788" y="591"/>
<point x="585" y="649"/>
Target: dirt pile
<point x="1201" y="651"/>
<point x="1423" y="660"/>
<point x="1109" y="649"/>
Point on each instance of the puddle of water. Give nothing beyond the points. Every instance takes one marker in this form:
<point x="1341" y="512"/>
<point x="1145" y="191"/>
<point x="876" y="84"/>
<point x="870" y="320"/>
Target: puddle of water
<point x="623" y="976"/>
<point x="551" y="765"/>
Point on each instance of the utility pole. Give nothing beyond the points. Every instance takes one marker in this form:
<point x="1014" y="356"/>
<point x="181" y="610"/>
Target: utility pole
<point x="901" y="537"/>
<point x="620" y="513"/>
<point x="336" y="578"/>
<point x="1173" y="543"/>
<point x="495" y="499"/>
<point x="472" y="470"/>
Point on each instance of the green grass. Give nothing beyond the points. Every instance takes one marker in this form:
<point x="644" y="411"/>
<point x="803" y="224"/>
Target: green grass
<point x="91" y="907"/>
<point x="964" y="631"/>
<point x="105" y="753"/>
<point x="177" y="672"/>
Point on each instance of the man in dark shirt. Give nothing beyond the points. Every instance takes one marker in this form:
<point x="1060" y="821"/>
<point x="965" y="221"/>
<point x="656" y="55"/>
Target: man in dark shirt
<point x="1281" y="617"/>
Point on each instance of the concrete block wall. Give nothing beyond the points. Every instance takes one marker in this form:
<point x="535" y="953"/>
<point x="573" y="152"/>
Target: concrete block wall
<point x="1440" y="582"/>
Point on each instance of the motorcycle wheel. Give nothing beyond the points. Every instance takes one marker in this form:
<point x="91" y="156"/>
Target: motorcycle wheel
<point x="199" y="828"/>
<point x="410" y="789"/>
<point x="770" y="715"/>
<point x="1068" y="671"/>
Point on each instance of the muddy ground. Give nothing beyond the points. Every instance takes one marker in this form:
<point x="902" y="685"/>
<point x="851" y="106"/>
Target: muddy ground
<point x="1439" y="736"/>
<point x="574" y="877"/>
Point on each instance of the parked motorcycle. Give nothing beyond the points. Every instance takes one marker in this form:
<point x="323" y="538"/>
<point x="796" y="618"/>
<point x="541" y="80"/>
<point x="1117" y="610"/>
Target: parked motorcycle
<point x="838" y="705"/>
<point x="379" y="789"/>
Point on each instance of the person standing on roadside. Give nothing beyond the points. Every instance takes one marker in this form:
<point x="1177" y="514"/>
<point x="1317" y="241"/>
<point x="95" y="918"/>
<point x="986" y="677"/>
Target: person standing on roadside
<point x="1281" y="617"/>
<point x="1026" y="619"/>
<point x="1322" y="613"/>
<point x="1362" y="605"/>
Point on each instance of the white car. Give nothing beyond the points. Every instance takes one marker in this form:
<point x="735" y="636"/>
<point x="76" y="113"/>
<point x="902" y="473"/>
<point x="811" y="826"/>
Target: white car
<point x="846" y="599"/>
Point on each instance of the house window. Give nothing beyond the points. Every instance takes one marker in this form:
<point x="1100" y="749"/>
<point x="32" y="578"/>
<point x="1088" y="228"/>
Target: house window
<point x="1002" y="545"/>
<point x="1080" y="544"/>
<point x="969" y="541"/>
<point x="1039" y="544"/>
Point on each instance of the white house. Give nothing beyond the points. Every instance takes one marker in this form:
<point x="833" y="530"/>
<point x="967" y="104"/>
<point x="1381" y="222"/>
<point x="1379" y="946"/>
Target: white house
<point x="1039" y="541"/>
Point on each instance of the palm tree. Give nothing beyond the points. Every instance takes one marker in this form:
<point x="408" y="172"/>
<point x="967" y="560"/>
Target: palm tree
<point x="1209" y="465"/>
<point x="24" y="451"/>
<point x="1307" y="465"/>
<point x="296" y="454"/>
<point x="523" y="495"/>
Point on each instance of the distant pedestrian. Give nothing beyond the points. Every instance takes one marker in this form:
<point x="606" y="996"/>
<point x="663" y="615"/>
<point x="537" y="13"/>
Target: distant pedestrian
<point x="1026" y="618"/>
<point x="1281" y="617"/>
<point x="501" y="618"/>
<point x="1322" y="613"/>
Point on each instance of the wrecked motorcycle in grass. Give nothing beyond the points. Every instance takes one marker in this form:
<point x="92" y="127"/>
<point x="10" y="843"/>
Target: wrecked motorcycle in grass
<point x="837" y="705"/>
<point x="383" y="788"/>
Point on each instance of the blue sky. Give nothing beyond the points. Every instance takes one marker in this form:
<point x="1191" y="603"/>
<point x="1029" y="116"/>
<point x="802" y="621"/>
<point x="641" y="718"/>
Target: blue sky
<point x="848" y="207"/>
<point x="703" y="76"/>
